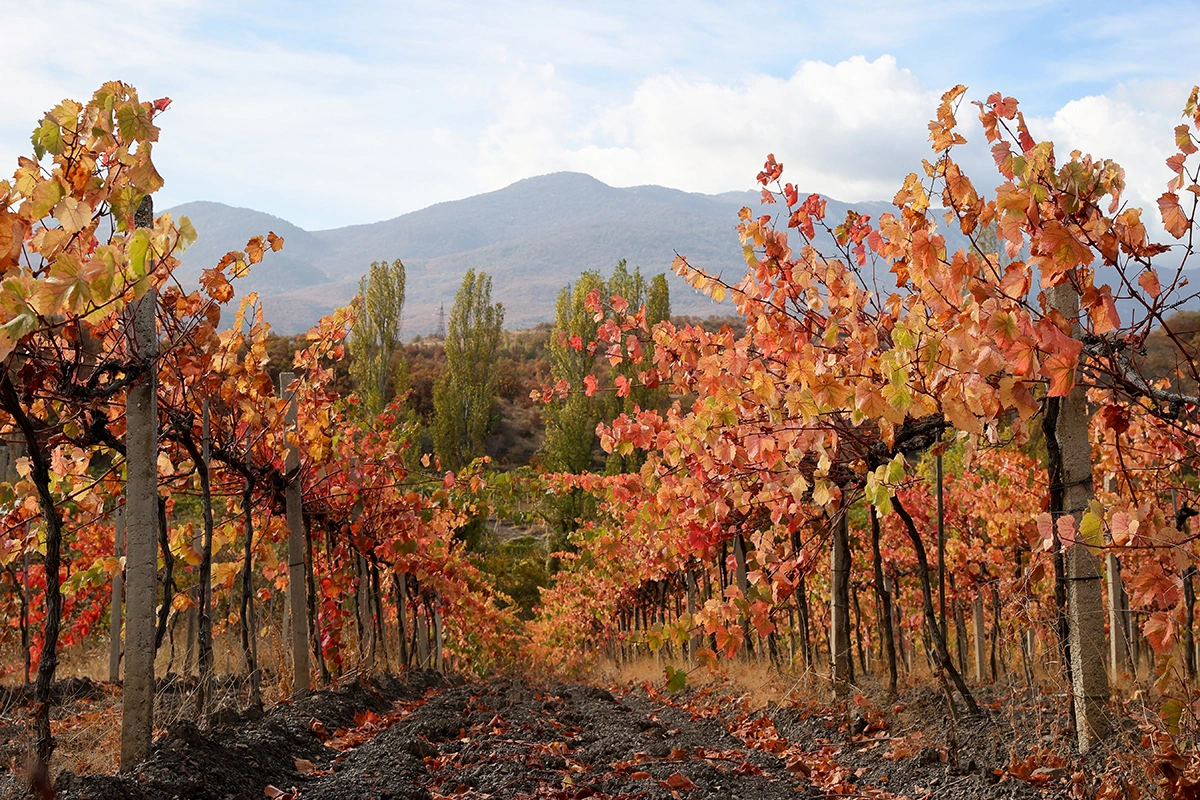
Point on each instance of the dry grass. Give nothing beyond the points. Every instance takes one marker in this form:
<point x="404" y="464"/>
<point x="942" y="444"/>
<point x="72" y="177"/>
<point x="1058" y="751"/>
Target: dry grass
<point x="89" y="740"/>
<point x="758" y="683"/>
<point x="755" y="683"/>
<point x="87" y="728"/>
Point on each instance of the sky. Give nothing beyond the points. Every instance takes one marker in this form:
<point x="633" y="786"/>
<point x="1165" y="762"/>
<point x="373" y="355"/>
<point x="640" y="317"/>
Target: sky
<point x="328" y="114"/>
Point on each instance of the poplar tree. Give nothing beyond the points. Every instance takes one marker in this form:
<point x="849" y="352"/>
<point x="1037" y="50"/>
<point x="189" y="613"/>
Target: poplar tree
<point x="658" y="301"/>
<point x="464" y="395"/>
<point x="571" y="423"/>
<point x="376" y="334"/>
<point x="655" y="297"/>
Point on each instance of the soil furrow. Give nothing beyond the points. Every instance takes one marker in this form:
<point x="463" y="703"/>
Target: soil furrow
<point x="508" y="740"/>
<point x="426" y="739"/>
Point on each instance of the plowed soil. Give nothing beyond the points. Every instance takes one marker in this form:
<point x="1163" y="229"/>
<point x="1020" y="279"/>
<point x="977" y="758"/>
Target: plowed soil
<point x="427" y="737"/>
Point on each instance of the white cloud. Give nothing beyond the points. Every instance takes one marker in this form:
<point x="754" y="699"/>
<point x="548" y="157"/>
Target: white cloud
<point x="530" y="108"/>
<point x="1132" y="124"/>
<point x="851" y="130"/>
<point x="368" y="112"/>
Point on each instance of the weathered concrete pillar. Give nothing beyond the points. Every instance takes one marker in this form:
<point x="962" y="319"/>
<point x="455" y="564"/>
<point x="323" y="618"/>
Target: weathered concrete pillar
<point x="1085" y="602"/>
<point x="422" y="637"/>
<point x="118" y="596"/>
<point x="1118" y="647"/>
<point x="296" y="596"/>
<point x="204" y="616"/>
<point x="1085" y="605"/>
<point x="366" y="644"/>
<point x="694" y="642"/>
<point x="980" y="637"/>
<point x="250" y="615"/>
<point x="141" y="530"/>
<point x="25" y="642"/>
<point x="1133" y="636"/>
<point x="193" y="617"/>
<point x="743" y="584"/>
<point x="1118" y="642"/>
<point x="16" y="451"/>
<point x="839" y="604"/>
<point x="439" y="650"/>
<point x="286" y="621"/>
<point x="960" y="633"/>
<point x="400" y="582"/>
<point x="941" y="535"/>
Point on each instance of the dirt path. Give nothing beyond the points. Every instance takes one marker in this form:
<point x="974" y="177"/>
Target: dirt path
<point x="506" y="740"/>
<point x="426" y="739"/>
<point x="423" y="740"/>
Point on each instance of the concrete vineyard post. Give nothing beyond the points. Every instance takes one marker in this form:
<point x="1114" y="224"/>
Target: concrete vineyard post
<point x="743" y="582"/>
<point x="438" y="643"/>
<point x="839" y="604"/>
<point x="980" y="637"/>
<point x="296" y="599"/>
<point x="1118" y="647"/>
<point x="1085" y="605"/>
<point x="204" y="616"/>
<point x="401" y="589"/>
<point x="141" y="530"/>
<point x="193" y="618"/>
<point x="694" y="642"/>
<point x="25" y="605"/>
<point x="118" y="594"/>
<point x="366" y="641"/>
<point x="941" y="545"/>
<point x="422" y="637"/>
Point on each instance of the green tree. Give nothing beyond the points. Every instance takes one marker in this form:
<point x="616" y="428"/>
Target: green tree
<point x="571" y="423"/>
<point x="463" y="396"/>
<point x="629" y="285"/>
<point x="570" y="442"/>
<point x="655" y="296"/>
<point x="376" y="335"/>
<point x="658" y="300"/>
<point x="987" y="243"/>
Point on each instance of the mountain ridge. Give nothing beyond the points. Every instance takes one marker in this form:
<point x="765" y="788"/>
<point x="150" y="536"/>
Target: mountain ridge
<point x="533" y="237"/>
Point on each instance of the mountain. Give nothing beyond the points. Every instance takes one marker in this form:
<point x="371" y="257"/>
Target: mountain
<point x="221" y="228"/>
<point x="532" y="237"/>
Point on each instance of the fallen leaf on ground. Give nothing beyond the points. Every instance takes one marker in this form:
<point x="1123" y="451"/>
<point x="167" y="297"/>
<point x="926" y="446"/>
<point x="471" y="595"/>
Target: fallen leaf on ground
<point x="678" y="780"/>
